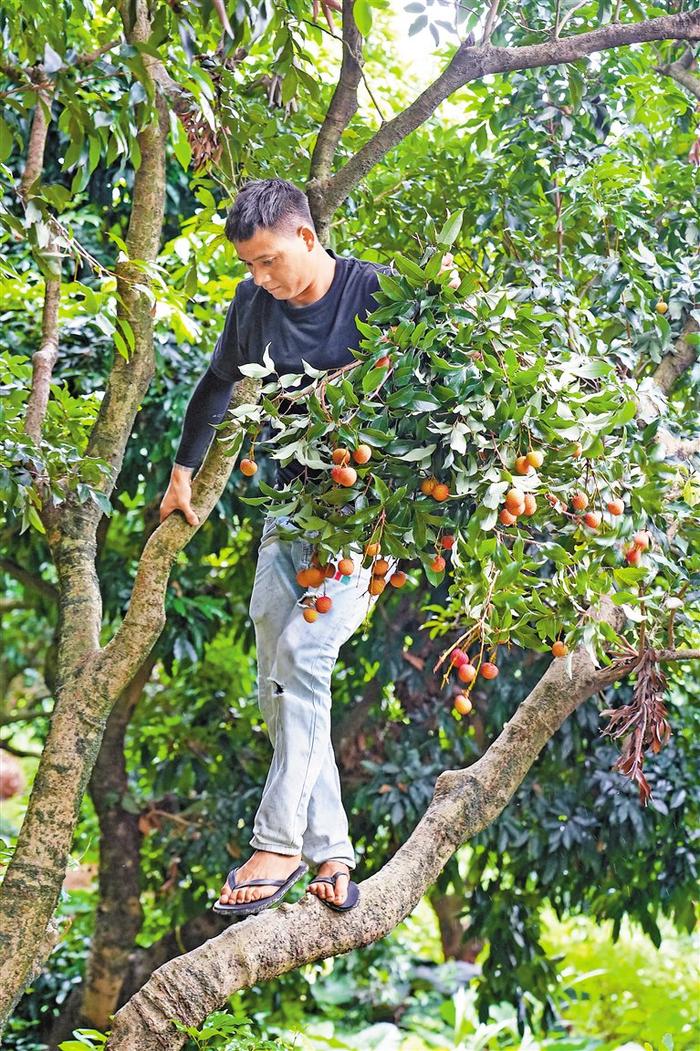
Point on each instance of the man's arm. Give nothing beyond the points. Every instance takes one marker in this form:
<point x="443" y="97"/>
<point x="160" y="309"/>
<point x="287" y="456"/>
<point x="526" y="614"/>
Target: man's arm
<point x="206" y="407"/>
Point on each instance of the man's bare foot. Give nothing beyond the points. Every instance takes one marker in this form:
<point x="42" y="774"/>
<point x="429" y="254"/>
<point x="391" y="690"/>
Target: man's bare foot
<point x="263" y="864"/>
<point x="325" y="890"/>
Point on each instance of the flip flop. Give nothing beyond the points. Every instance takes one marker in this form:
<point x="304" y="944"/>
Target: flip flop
<point x="249" y="908"/>
<point x="353" y="892"/>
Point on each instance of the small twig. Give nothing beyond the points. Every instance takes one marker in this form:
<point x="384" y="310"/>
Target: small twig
<point x="569" y="15"/>
<point x="490" y="22"/>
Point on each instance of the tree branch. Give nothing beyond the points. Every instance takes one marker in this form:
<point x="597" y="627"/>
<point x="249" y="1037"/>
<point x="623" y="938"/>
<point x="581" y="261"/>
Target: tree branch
<point x="678" y="655"/>
<point x="28" y="579"/>
<point x="91" y="679"/>
<point x="650" y="403"/>
<point x="44" y="359"/>
<point x="344" y="103"/>
<point x="145" y="617"/>
<point x="490" y="23"/>
<point x="680" y="72"/>
<point x="472" y="63"/>
<point x="21" y="753"/>
<point x="272" y="943"/>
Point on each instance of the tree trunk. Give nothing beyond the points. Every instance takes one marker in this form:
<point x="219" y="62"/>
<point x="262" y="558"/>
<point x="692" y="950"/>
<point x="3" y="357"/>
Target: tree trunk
<point x="84" y="699"/>
<point x="119" y="916"/>
<point x="457" y="943"/>
<point x="33" y="880"/>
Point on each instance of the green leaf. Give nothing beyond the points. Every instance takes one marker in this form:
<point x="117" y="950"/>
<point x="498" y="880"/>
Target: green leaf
<point x="33" y="518"/>
<point x="556" y="552"/>
<point x="416" y="455"/>
<point x="451" y="228"/>
<point x="191" y="279"/>
<point x="630" y="574"/>
<point x="289" y="85"/>
<point x="621" y="597"/>
<point x="625" y="414"/>
<point x="5" y="140"/>
<point x="362" y="13"/>
<point x="381" y="489"/>
<point x="487" y="519"/>
<point x="391" y="286"/>
<point x="372" y="379"/>
<point x="420" y="23"/>
<point x="102" y="501"/>
<point x="409" y="269"/>
<point x="52" y="60"/>
<point x="576" y="85"/>
<point x="508" y="575"/>
<point x="181" y="145"/>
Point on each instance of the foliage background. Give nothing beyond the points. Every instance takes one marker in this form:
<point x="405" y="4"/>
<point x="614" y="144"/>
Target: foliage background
<point x="573" y="860"/>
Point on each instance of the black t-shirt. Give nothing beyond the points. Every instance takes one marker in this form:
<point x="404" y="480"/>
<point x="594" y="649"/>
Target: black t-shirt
<point x="322" y="333"/>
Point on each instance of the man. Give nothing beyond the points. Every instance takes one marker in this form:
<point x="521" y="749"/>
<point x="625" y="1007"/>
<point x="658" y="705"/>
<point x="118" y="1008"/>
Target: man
<point x="301" y="303"/>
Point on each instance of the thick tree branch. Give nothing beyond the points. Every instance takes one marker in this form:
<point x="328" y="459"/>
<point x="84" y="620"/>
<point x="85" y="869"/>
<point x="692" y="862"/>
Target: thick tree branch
<point x="129" y="380"/>
<point x="272" y="943"/>
<point x="33" y="880"/>
<point x="680" y="72"/>
<point x="119" y="914"/>
<point x="678" y="655"/>
<point x="145" y="616"/>
<point x="44" y="359"/>
<point x="36" y="145"/>
<point x="650" y="403"/>
<point x="87" y="691"/>
<point x="344" y="103"/>
<point x="472" y="63"/>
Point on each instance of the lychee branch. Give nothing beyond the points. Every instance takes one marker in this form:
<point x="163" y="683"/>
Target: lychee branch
<point x="677" y="655"/>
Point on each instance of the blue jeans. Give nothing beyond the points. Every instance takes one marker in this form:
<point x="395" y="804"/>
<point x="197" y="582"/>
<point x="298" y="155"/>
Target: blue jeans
<point x="301" y="811"/>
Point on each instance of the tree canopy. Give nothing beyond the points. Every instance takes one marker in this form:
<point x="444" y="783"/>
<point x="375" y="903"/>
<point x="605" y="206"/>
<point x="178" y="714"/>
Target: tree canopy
<point x="567" y="192"/>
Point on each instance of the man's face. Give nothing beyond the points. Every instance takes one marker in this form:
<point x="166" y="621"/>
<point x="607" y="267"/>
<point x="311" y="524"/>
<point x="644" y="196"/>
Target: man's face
<point x="282" y="264"/>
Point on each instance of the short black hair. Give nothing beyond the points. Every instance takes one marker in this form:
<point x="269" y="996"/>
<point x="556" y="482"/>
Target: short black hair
<point x="267" y="204"/>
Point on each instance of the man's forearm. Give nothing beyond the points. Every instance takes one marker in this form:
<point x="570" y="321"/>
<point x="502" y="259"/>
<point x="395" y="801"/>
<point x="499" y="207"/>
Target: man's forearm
<point x="205" y="409"/>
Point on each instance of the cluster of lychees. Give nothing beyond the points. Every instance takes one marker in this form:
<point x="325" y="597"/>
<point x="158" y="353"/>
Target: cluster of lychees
<point x="467" y="673"/>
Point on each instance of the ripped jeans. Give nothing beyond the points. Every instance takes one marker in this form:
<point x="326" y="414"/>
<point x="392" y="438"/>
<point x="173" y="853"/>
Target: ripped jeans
<point x="301" y="811"/>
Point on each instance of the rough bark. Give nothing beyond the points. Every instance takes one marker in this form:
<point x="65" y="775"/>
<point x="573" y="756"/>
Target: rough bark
<point x="129" y="380"/>
<point x="118" y="916"/>
<point x="342" y="108"/>
<point x="44" y="360"/>
<point x="119" y="913"/>
<point x="472" y="63"/>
